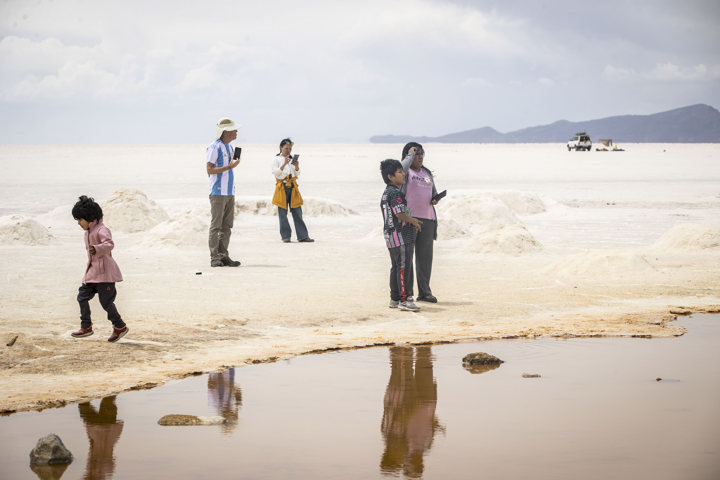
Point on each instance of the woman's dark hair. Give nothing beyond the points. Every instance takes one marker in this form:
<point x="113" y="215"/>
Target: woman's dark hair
<point x="285" y="141"/>
<point x="389" y="167"/>
<point x="408" y="146"/>
<point x="87" y="209"/>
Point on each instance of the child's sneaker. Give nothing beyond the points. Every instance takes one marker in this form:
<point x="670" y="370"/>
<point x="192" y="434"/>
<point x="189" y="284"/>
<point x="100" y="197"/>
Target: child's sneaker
<point x="394" y="303"/>
<point x="118" y="333"/>
<point x="83" y="332"/>
<point x="408" y="305"/>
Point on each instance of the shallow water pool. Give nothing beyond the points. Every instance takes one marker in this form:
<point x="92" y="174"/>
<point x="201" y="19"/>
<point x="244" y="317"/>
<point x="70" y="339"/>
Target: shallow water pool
<point x="600" y="408"/>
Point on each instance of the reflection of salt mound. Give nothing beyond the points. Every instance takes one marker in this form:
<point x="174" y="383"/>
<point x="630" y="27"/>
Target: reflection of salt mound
<point x="688" y="237"/>
<point x="600" y="263"/>
<point x="187" y="228"/>
<point x="17" y="229"/>
<point x="130" y="210"/>
<point x="311" y="206"/>
<point x="488" y="223"/>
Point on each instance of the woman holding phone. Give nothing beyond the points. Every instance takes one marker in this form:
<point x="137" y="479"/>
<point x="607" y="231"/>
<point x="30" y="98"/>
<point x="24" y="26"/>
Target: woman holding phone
<point x="286" y="169"/>
<point x="422" y="196"/>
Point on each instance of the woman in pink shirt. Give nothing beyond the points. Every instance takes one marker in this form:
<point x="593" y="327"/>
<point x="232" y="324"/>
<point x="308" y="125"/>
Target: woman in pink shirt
<point x="419" y="190"/>
<point x="101" y="272"/>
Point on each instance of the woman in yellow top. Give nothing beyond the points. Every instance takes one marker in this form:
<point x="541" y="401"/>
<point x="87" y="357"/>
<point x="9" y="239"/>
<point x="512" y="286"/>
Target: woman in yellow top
<point x="286" y="169"/>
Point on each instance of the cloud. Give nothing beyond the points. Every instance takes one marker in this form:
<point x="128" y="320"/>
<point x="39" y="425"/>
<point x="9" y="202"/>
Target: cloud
<point x="329" y="66"/>
<point x="665" y="72"/>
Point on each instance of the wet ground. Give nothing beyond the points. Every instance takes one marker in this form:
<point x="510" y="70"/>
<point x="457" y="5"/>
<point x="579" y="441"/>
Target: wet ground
<point x="562" y="409"/>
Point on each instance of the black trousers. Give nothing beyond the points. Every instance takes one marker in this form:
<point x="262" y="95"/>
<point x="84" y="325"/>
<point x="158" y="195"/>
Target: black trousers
<point x="401" y="272"/>
<point x="106" y="294"/>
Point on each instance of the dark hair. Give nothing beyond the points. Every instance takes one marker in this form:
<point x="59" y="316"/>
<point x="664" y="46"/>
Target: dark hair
<point x="408" y="146"/>
<point x="285" y="141"/>
<point x="87" y="209"/>
<point x="389" y="167"/>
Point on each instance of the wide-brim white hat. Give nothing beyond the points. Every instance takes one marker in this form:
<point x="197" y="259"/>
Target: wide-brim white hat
<point x="225" y="125"/>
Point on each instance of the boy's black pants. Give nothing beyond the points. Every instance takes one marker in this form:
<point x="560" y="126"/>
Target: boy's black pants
<point x="106" y="294"/>
<point x="401" y="272"/>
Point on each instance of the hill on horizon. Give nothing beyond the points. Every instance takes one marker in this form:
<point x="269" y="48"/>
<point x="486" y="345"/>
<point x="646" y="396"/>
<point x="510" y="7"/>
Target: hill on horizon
<point x="692" y="124"/>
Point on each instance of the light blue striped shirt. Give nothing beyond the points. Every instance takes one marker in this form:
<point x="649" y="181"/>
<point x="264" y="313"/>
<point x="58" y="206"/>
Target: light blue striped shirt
<point x="220" y="154"/>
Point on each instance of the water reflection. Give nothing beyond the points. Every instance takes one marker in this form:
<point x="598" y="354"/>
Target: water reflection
<point x="49" y="472"/>
<point x="409" y="422"/>
<point x="225" y="397"/>
<point x="103" y="430"/>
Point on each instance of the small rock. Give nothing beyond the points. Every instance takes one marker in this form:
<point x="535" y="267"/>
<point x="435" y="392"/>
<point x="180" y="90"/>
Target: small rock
<point x="174" y="419"/>
<point x="480" y="362"/>
<point x="481" y="358"/>
<point x="50" y="450"/>
<point x="531" y="375"/>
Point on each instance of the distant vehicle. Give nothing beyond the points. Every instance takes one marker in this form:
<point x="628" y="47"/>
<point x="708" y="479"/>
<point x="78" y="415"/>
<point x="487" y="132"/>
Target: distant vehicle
<point x="581" y="141"/>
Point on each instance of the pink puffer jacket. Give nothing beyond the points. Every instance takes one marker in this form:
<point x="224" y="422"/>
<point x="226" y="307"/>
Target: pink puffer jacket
<point x="101" y="267"/>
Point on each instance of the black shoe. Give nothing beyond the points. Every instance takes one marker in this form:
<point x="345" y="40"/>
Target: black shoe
<point x="217" y="263"/>
<point x="286" y="240"/>
<point x="308" y="240"/>
<point x="427" y="298"/>
<point x="228" y="262"/>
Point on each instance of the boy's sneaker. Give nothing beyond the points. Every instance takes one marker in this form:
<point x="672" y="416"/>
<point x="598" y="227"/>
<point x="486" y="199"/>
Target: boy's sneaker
<point x="117" y="334"/>
<point x="83" y="332"/>
<point x="394" y="303"/>
<point x="408" y="305"/>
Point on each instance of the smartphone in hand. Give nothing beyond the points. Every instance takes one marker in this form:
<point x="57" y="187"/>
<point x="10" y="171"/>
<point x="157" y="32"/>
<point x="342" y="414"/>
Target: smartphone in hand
<point x="439" y="195"/>
<point x="238" y="151"/>
<point x="295" y="158"/>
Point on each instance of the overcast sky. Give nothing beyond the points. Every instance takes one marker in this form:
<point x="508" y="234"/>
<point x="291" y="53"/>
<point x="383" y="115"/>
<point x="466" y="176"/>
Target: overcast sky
<point x="162" y="72"/>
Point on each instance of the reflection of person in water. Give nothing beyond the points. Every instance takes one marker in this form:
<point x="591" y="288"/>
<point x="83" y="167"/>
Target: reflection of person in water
<point x="409" y="422"/>
<point x="103" y="430"/>
<point x="225" y="397"/>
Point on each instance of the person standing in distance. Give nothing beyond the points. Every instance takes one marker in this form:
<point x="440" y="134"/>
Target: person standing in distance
<point x="220" y="164"/>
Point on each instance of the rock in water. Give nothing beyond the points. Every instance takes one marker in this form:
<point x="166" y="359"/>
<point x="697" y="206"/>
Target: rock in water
<point x="481" y="358"/>
<point x="480" y="362"/>
<point x="50" y="450"/>
<point x="174" y="419"/>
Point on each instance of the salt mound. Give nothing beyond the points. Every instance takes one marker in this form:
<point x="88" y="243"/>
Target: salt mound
<point x="19" y="230"/>
<point x="506" y="239"/>
<point x="188" y="228"/>
<point x="130" y="210"/>
<point x="311" y="206"/>
<point x="487" y="222"/>
<point x="257" y="206"/>
<point x="688" y="237"/>
<point x="521" y="203"/>
<point x="600" y="263"/>
<point x="320" y="206"/>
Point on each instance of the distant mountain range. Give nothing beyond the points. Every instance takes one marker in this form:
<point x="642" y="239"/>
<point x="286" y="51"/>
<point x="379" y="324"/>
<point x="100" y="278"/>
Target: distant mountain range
<point x="693" y="124"/>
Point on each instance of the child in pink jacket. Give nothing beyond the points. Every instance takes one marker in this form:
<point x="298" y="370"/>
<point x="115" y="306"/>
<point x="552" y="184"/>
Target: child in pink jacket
<point x="101" y="272"/>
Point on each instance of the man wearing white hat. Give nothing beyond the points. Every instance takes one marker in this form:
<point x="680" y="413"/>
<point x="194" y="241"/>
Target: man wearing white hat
<point x="220" y="165"/>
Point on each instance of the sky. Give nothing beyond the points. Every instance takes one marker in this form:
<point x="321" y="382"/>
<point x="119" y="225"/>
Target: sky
<point x="335" y="71"/>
